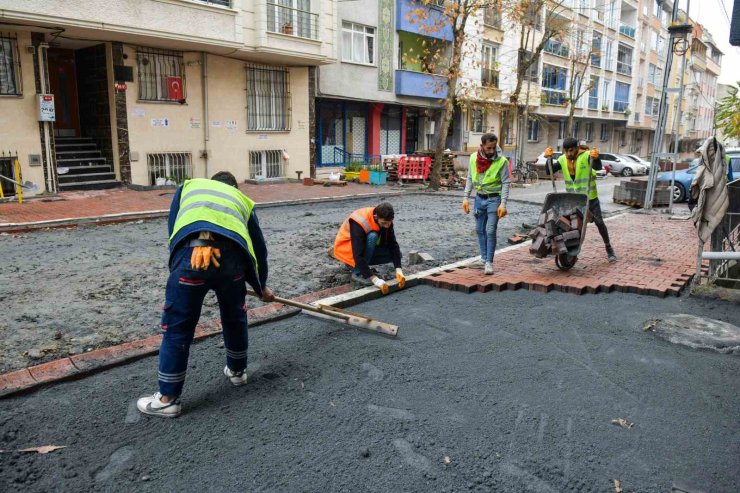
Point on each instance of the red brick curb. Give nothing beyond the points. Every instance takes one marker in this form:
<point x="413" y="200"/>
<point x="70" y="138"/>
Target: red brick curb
<point x="656" y="258"/>
<point x="83" y="364"/>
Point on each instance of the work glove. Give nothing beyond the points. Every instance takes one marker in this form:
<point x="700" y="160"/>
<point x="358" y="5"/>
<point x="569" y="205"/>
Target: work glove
<point x="381" y="285"/>
<point x="548" y="152"/>
<point x="203" y="256"/>
<point x="466" y="206"/>
<point x="594" y="153"/>
<point x="400" y="278"/>
<point x="502" y="212"/>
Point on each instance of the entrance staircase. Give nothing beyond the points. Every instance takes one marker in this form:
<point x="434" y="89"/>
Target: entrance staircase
<point x="86" y="168"/>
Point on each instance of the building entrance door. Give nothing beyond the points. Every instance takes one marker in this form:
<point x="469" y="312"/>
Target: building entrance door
<point x="63" y="82"/>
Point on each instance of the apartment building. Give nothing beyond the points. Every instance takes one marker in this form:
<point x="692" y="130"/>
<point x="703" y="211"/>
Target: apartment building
<point x="148" y="92"/>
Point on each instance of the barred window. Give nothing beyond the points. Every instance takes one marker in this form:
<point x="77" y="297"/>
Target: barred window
<point x="10" y="67"/>
<point x="268" y="98"/>
<point x="266" y="164"/>
<point x="161" y="75"/>
<point x="169" y="168"/>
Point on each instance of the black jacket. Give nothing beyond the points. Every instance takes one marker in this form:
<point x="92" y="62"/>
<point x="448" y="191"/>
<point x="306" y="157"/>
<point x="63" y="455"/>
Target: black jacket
<point x="359" y="241"/>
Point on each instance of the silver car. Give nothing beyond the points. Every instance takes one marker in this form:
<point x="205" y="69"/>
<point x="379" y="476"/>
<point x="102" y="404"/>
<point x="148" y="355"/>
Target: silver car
<point x="622" y="165"/>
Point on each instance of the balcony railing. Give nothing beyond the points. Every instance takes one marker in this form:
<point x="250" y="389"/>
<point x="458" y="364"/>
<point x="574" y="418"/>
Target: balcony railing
<point x="621" y="106"/>
<point x="291" y="21"/>
<point x="554" y="97"/>
<point x="489" y="78"/>
<point x="624" y="68"/>
<point x="627" y="30"/>
<point x="492" y="17"/>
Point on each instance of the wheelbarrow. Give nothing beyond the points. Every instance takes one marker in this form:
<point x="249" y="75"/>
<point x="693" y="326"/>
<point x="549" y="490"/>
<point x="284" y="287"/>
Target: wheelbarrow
<point x="562" y="202"/>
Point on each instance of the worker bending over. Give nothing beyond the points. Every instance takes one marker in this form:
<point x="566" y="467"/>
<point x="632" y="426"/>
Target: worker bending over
<point x="574" y="165"/>
<point x="488" y="173"/>
<point x="367" y="238"/>
<point x="215" y="243"/>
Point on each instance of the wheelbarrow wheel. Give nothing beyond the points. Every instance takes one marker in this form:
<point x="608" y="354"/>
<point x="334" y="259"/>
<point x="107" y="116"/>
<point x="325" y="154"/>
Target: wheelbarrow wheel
<point x="565" y="261"/>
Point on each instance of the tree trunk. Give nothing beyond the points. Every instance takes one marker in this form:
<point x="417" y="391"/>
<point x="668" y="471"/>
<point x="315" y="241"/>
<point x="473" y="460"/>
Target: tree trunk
<point x="448" y="111"/>
<point x="569" y="125"/>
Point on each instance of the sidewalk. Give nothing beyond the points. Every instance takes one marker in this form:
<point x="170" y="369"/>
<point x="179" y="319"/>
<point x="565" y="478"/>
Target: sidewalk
<point x="108" y="205"/>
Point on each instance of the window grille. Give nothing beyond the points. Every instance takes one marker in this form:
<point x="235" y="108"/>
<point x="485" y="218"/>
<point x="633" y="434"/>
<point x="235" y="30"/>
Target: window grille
<point x="266" y="164"/>
<point x="477" y="120"/>
<point x="175" y="167"/>
<point x="292" y="17"/>
<point x="7" y="167"/>
<point x="268" y="99"/>
<point x="161" y="75"/>
<point x="10" y="67"/>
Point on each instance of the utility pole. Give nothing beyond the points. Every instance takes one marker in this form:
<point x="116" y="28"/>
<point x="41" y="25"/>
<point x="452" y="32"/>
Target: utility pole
<point x="523" y="127"/>
<point x="662" y="115"/>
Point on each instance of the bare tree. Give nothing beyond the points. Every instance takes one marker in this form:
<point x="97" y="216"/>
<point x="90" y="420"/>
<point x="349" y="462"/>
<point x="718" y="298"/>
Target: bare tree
<point x="579" y="59"/>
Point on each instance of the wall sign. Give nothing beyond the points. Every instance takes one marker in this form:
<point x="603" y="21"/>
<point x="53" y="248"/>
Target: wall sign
<point x="46" y="108"/>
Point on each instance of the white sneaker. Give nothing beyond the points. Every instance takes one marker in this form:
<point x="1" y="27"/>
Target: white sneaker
<point x="236" y="379"/>
<point x="153" y="406"/>
<point x="488" y="269"/>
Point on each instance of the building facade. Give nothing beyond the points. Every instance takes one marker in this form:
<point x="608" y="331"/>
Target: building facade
<point x="148" y="92"/>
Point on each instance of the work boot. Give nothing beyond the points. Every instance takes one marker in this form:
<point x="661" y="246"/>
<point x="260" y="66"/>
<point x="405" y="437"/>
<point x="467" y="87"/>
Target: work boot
<point x="610" y="254"/>
<point x="153" y="406"/>
<point x="236" y="378"/>
<point x="358" y="279"/>
<point x="488" y="269"/>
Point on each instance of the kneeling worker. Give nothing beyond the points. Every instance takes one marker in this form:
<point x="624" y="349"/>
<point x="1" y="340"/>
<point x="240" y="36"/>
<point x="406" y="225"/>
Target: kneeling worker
<point x="367" y="238"/>
<point x="574" y="165"/>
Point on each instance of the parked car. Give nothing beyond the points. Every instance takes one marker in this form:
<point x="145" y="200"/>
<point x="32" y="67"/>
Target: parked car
<point x="682" y="183"/>
<point x="734" y="155"/>
<point x="638" y="159"/>
<point x="620" y="165"/>
<point x="540" y="165"/>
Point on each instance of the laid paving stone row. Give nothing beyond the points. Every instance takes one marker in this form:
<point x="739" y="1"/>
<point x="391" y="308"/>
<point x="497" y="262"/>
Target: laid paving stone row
<point x="657" y="257"/>
<point x="99" y="359"/>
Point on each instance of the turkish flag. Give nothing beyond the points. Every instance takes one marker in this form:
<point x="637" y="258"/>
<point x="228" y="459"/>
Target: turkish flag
<point x="174" y="88"/>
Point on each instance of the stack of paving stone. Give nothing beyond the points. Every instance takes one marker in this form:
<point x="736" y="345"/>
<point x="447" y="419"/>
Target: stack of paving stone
<point x="555" y="233"/>
<point x="390" y="165"/>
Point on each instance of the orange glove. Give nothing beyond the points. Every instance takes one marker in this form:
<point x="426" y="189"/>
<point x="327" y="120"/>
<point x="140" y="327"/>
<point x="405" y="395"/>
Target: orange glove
<point x="400" y="278"/>
<point x="548" y="152"/>
<point x="466" y="206"/>
<point x="381" y="285"/>
<point x="502" y="212"/>
<point x="203" y="256"/>
<point x="594" y="153"/>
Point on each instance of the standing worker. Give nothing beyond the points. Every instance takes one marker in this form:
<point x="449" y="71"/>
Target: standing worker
<point x="489" y="174"/>
<point x="367" y="238"/>
<point x="574" y="165"/>
<point x="215" y="243"/>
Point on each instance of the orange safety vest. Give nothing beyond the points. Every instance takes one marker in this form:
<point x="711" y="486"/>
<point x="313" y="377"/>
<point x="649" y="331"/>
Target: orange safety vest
<point x="343" y="242"/>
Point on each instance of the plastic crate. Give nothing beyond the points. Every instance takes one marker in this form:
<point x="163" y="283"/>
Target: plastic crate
<point x="378" y="177"/>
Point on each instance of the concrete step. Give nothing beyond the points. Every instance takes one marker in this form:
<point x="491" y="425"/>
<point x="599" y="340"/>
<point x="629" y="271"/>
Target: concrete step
<point x="76" y="170"/>
<point x="90" y="185"/>
<point x="75" y="146"/>
<point x="87" y="177"/>
<point x="73" y="140"/>
<point x="80" y="161"/>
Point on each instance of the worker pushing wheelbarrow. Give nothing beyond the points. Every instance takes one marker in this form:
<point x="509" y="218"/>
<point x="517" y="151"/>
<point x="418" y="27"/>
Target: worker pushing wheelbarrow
<point x="565" y="216"/>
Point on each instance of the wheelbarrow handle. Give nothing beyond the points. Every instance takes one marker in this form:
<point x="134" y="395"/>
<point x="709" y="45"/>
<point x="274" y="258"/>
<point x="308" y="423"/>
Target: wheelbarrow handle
<point x="548" y="162"/>
<point x="588" y="202"/>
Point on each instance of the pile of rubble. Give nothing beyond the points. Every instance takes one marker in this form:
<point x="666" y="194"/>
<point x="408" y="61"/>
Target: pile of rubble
<point x="555" y="233"/>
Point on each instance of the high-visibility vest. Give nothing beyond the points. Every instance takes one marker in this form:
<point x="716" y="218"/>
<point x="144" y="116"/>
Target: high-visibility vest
<point x="216" y="203"/>
<point x="580" y="183"/>
<point x="490" y="181"/>
<point x="343" y="242"/>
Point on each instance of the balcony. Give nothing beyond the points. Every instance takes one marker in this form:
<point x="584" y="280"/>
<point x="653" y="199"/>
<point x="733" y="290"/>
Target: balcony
<point x="291" y="21"/>
<point x="627" y="30"/>
<point x="554" y="97"/>
<point x="421" y="85"/>
<point x="434" y="25"/>
<point x="556" y="48"/>
<point x="489" y="78"/>
<point x="621" y="106"/>
<point x="624" y="68"/>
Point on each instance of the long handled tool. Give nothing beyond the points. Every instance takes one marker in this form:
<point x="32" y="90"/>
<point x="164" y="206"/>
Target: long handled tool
<point x="330" y="312"/>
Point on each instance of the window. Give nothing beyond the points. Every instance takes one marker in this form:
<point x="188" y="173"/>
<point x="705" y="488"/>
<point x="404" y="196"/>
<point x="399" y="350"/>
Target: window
<point x="622" y="138"/>
<point x="492" y="16"/>
<point x="561" y="129"/>
<point x="506" y="119"/>
<point x="604" y="132"/>
<point x="608" y="57"/>
<point x="661" y="46"/>
<point x="266" y="164"/>
<point x="532" y="73"/>
<point x="534" y="15"/>
<point x="175" y="166"/>
<point x="222" y="3"/>
<point x="10" y="68"/>
<point x="553" y="85"/>
<point x="624" y="59"/>
<point x="576" y="129"/>
<point x="358" y="43"/>
<point x="478" y="120"/>
<point x="605" y="96"/>
<point x="268" y="98"/>
<point x="621" y="97"/>
<point x="651" y="74"/>
<point x="533" y="130"/>
<point x="489" y="70"/>
<point x="556" y="47"/>
<point x="657" y="8"/>
<point x="596" y="49"/>
<point x="161" y="75"/>
<point x="589" y="128"/>
<point x="654" y="40"/>
<point x="648" y="106"/>
<point x="593" y="94"/>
